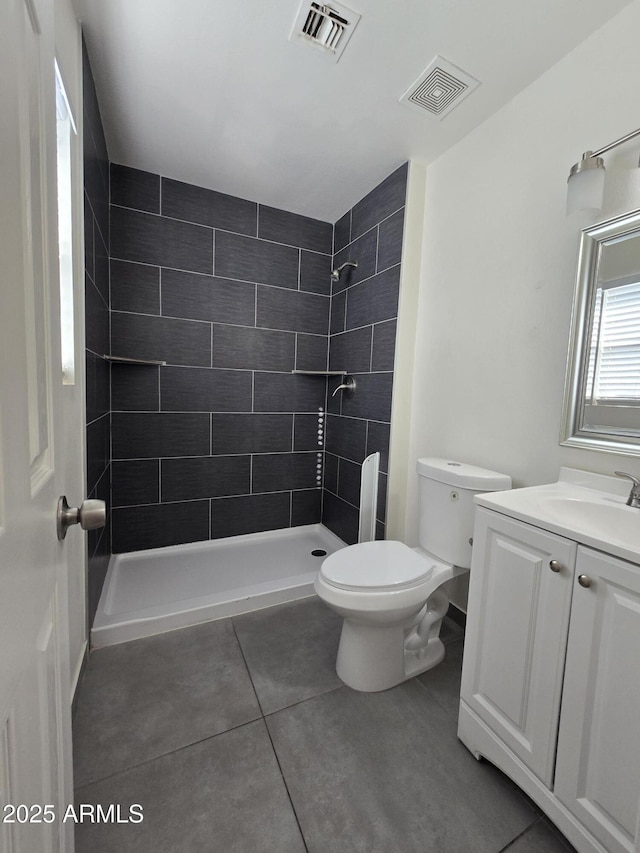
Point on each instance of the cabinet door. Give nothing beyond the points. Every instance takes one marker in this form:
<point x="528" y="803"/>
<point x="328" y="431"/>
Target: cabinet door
<point x="516" y="635"/>
<point x="598" y="766"/>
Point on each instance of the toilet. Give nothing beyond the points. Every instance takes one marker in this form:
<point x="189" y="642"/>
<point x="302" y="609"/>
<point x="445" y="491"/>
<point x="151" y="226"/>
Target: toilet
<point x="390" y="595"/>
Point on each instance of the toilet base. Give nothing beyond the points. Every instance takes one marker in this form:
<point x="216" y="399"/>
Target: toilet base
<point x="377" y="657"/>
<point x="427" y="658"/>
<point x="371" y="658"/>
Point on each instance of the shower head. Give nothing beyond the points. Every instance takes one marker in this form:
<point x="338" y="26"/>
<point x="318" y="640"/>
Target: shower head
<point x="335" y="274"/>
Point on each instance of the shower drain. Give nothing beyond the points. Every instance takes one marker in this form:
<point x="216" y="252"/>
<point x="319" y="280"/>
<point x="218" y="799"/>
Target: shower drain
<point x="318" y="552"/>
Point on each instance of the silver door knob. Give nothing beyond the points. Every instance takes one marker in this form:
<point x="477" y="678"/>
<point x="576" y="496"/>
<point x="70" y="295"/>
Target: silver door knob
<point x="584" y="580"/>
<point x="555" y="566"/>
<point x="89" y="515"/>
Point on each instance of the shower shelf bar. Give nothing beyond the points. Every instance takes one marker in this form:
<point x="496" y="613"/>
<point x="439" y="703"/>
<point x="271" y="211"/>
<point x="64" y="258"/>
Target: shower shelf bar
<point x="320" y="372"/>
<point x="121" y="360"/>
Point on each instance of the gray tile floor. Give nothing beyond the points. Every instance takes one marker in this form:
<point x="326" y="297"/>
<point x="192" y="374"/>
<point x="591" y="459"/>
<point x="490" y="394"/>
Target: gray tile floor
<point x="237" y="735"/>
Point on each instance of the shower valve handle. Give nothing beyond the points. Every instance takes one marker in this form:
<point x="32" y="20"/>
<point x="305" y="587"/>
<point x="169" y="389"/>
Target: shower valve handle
<point x="349" y="385"/>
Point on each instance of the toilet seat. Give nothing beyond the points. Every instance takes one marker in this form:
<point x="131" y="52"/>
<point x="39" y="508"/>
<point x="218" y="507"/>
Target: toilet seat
<point x="376" y="567"/>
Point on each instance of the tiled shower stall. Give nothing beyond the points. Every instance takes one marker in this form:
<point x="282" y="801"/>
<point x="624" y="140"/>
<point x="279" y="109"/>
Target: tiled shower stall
<point x="234" y="295"/>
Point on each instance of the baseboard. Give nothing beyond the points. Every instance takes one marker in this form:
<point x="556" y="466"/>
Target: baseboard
<point x="456" y="615"/>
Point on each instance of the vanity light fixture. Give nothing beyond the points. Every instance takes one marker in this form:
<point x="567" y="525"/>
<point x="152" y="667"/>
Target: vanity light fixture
<point x="585" y="184"/>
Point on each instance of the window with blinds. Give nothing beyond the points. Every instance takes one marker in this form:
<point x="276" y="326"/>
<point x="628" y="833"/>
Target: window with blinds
<point x="613" y="373"/>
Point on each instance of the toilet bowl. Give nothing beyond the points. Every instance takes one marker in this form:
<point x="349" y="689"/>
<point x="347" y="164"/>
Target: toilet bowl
<point x="389" y="595"/>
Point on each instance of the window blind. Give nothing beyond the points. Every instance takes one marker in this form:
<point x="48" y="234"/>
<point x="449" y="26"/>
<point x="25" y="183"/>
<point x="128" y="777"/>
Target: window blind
<point x="613" y="373"/>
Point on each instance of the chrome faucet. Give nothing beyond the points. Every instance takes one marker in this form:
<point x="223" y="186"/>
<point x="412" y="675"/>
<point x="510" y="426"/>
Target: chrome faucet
<point x="634" y="494"/>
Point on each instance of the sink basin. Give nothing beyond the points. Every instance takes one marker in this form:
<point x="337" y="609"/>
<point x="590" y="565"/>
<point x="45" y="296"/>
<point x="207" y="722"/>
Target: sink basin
<point x="606" y="519"/>
<point x="588" y="508"/>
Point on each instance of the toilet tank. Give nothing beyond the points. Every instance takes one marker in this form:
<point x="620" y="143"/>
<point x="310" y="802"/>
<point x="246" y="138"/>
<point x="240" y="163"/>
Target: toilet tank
<point x="446" y="508"/>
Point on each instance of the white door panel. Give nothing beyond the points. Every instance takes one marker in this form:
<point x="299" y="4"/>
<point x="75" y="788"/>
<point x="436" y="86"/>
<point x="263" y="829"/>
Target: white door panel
<point x="35" y="730"/>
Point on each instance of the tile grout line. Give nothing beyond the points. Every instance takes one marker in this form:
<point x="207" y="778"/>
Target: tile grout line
<point x="253" y="394"/>
<point x="245" y="412"/>
<point x="307" y="699"/>
<point x="377" y="245"/>
<point x="211" y="498"/>
<point x="228" y="278"/>
<point x="97" y="289"/>
<point x="225" y="230"/>
<point x="372" y="327"/>
<point x="253" y="281"/>
<point x="165" y="754"/>
<point x="286" y="787"/>
<point x="246" y="665"/>
<point x="264" y="720"/>
<point x="520" y="835"/>
<point x="221" y="455"/>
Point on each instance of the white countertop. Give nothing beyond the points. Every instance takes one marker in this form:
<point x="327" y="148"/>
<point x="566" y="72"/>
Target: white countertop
<point x="587" y="508"/>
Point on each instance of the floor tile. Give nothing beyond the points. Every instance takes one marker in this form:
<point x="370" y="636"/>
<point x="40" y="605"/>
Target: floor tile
<point x="384" y="772"/>
<point x="540" y="838"/>
<point x="223" y="794"/>
<point x="290" y="651"/>
<point x="443" y="681"/>
<point x="144" y="698"/>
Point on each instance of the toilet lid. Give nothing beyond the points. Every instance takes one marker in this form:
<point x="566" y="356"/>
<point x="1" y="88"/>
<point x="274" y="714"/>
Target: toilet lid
<point x="375" y="565"/>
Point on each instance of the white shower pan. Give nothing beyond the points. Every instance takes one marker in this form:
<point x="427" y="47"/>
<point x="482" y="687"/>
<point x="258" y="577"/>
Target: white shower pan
<point x="149" y="592"/>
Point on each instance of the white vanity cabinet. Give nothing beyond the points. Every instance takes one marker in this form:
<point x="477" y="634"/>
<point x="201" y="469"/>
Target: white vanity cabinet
<point x="551" y="677"/>
<point x="516" y="635"/>
<point x="598" y="764"/>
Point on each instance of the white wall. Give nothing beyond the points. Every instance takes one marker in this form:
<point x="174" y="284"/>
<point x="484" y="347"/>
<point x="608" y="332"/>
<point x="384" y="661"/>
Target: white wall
<point x="499" y="267"/>
<point x="401" y="467"/>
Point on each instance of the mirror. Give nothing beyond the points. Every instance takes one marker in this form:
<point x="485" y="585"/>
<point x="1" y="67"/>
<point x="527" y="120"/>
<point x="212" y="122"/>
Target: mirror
<point x="602" y="390"/>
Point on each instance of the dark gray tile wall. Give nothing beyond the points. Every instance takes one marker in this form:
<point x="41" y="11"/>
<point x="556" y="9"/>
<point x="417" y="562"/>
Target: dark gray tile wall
<point x="233" y="295"/>
<point x="363" y="312"/>
<point x="96" y="253"/>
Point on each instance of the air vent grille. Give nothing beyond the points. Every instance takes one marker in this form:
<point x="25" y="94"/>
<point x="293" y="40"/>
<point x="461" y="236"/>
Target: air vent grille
<point x="440" y="88"/>
<point x="327" y="27"/>
<point x="324" y="26"/>
<point x="437" y="92"/>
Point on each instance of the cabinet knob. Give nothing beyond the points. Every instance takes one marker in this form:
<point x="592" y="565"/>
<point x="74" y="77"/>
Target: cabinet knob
<point x="555" y="566"/>
<point x="584" y="580"/>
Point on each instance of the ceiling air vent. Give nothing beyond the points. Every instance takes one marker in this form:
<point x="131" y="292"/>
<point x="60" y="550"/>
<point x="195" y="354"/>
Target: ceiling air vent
<point x="439" y="89"/>
<point x="327" y="27"/>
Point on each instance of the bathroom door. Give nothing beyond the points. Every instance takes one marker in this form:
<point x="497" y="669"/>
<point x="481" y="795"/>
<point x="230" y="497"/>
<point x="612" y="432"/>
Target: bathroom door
<point x="35" y="713"/>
